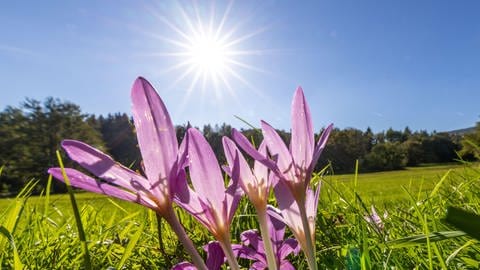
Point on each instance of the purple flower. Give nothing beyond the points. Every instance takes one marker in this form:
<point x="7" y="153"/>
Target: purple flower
<point x="159" y="148"/>
<point x="294" y="167"/>
<point x="255" y="183"/>
<point x="253" y="246"/>
<point x="163" y="168"/>
<point x="375" y="220"/>
<point x="209" y="201"/>
<point x="291" y="212"/>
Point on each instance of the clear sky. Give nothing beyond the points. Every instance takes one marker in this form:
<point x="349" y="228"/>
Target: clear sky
<point x="361" y="63"/>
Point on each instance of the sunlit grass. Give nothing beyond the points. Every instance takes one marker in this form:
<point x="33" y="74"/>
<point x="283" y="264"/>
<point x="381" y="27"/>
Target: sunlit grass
<point x="121" y="234"/>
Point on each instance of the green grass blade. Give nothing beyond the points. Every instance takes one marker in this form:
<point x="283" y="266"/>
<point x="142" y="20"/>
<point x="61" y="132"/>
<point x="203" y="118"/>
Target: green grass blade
<point x="439" y="184"/>
<point x="464" y="220"/>
<point x="76" y="213"/>
<point x="131" y="244"/>
<point x="16" y="258"/>
<point x="422" y="239"/>
<point x="47" y="196"/>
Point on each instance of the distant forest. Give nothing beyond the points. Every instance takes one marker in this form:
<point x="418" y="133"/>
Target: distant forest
<point x="30" y="135"/>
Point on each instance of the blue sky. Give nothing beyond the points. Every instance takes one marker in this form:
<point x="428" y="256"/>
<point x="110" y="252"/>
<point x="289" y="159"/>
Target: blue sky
<point x="361" y="63"/>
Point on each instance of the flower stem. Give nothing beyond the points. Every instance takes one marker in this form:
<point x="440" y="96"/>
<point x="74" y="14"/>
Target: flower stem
<point x="310" y="252"/>
<point x="227" y="249"/>
<point x="172" y="219"/>
<point x="262" y="220"/>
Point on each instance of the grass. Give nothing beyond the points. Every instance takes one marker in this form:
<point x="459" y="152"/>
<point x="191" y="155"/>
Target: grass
<point x="39" y="232"/>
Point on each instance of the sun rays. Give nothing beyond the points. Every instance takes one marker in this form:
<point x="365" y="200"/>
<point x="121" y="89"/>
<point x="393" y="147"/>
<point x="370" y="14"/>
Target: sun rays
<point x="209" y="50"/>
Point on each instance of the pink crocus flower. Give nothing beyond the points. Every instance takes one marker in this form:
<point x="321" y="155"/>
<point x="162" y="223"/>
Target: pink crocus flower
<point x="294" y="166"/>
<point x="256" y="183"/>
<point x="291" y="212"/>
<point x="375" y="220"/>
<point x="253" y="246"/>
<point x="209" y="201"/>
<point x="159" y="148"/>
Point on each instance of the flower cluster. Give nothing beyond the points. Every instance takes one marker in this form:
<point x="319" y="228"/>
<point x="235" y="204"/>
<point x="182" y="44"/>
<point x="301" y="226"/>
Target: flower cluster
<point x="202" y="191"/>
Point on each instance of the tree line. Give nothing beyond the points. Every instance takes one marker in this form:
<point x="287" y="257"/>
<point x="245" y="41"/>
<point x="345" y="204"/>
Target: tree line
<point x="30" y="135"/>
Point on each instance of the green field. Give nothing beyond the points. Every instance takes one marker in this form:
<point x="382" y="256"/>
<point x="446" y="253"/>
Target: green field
<point x="124" y="235"/>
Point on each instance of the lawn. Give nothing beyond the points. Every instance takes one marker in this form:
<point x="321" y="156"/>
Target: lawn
<point x="123" y="235"/>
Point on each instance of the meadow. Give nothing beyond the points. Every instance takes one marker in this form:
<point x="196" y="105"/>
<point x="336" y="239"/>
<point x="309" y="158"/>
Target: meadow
<point x="39" y="232"/>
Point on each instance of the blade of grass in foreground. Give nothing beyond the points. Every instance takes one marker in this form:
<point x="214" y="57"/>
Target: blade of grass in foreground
<point x="421" y="239"/>
<point x="76" y="213"/>
<point x="17" y="264"/>
<point x="14" y="211"/>
<point x="131" y="244"/>
<point x="464" y="220"/>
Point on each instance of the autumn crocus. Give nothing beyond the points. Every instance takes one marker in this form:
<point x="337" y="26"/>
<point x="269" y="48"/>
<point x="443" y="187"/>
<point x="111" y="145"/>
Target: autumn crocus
<point x="209" y="201"/>
<point x="159" y="149"/>
<point x="256" y="184"/>
<point x="253" y="246"/>
<point x="294" y="166"/>
<point x="375" y="220"/>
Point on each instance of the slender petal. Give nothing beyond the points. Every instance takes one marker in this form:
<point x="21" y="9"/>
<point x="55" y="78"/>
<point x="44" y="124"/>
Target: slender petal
<point x="243" y="142"/>
<point x="236" y="161"/>
<point x="103" y="166"/>
<point x="155" y="132"/>
<point x="80" y="180"/>
<point x="277" y="147"/>
<point x="205" y="172"/>
<point x="259" y="169"/>
<point x="215" y="255"/>
<point x="289" y="246"/>
<point x="303" y="141"/>
<point x="322" y="142"/>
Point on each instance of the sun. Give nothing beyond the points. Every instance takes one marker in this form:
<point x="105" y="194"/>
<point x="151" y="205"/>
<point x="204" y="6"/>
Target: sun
<point x="208" y="49"/>
<point x="208" y="55"/>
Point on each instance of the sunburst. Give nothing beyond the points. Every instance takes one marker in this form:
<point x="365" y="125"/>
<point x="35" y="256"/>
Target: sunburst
<point x="206" y="52"/>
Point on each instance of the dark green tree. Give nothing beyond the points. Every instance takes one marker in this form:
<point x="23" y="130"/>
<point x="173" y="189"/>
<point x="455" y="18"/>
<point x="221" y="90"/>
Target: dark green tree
<point x="31" y="134"/>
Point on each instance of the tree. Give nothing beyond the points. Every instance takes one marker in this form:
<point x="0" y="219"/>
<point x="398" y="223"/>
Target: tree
<point x="470" y="144"/>
<point x="31" y="134"/>
<point x="386" y="156"/>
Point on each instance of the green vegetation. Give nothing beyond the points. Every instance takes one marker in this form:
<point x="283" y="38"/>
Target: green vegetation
<point x="31" y="133"/>
<point x="120" y="234"/>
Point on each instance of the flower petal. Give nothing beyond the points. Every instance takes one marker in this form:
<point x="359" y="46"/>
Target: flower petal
<point x="258" y="265"/>
<point x="186" y="198"/>
<point x="245" y="252"/>
<point x="286" y="265"/>
<point x="260" y="170"/>
<point x="243" y="142"/>
<point x="233" y="194"/>
<point x="277" y="147"/>
<point x="303" y="141"/>
<point x="322" y="142"/>
<point x="215" y="255"/>
<point x="103" y="166"/>
<point x="290" y="245"/>
<point x="311" y="204"/>
<point x="184" y="266"/>
<point x="155" y="132"/>
<point x="236" y="160"/>
<point x="205" y="172"/>
<point x="252" y="238"/>
<point x="276" y="228"/>
<point x="290" y="211"/>
<point x="80" y="180"/>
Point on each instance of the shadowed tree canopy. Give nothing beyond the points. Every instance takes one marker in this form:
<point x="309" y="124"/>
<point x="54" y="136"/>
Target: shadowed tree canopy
<point x="31" y="133"/>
